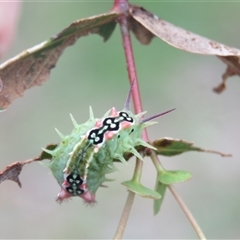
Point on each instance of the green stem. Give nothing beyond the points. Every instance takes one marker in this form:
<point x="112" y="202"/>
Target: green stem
<point x="138" y="171"/>
<point x="156" y="162"/>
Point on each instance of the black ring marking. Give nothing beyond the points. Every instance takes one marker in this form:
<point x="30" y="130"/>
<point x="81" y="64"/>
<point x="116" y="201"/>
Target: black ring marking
<point x="109" y="124"/>
<point x="126" y="117"/>
<point x="74" y="180"/>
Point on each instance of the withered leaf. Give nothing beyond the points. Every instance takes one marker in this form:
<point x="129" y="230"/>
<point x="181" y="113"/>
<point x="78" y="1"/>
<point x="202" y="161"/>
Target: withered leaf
<point x="233" y="68"/>
<point x="12" y="171"/>
<point x="32" y="67"/>
<point x="141" y="33"/>
<point x="171" y="147"/>
<point x="184" y="40"/>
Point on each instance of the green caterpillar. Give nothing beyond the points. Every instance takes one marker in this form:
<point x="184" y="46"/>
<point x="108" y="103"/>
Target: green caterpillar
<point x="83" y="158"/>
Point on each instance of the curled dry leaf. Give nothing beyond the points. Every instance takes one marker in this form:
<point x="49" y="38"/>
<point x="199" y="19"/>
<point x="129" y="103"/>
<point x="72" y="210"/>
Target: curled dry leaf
<point x="171" y="147"/>
<point x="184" y="40"/>
<point x="12" y="171"/>
<point x="143" y="35"/>
<point x="233" y="69"/>
<point x="33" y="66"/>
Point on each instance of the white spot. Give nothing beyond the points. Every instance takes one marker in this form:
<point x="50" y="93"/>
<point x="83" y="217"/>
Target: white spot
<point x="93" y="135"/>
<point x="97" y="139"/>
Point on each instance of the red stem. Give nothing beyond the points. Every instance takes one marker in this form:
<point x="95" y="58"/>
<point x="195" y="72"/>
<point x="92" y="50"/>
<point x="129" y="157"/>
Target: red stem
<point x="131" y="68"/>
<point x="120" y="6"/>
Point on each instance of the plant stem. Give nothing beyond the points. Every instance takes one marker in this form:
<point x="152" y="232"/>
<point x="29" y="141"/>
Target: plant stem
<point x="156" y="162"/>
<point x="138" y="170"/>
<point x="131" y="68"/>
<point x="122" y="5"/>
<point x="188" y="214"/>
<point x="125" y="214"/>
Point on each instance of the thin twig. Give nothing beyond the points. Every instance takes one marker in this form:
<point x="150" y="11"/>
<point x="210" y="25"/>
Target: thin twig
<point x="122" y="6"/>
<point x="124" y="218"/>
<point x="131" y="68"/>
<point x="188" y="214"/>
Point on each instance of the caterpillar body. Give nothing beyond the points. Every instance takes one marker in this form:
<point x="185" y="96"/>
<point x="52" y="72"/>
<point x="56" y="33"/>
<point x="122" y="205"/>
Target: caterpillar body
<point x="83" y="158"/>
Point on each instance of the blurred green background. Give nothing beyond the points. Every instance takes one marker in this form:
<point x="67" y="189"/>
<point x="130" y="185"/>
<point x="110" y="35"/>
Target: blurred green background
<point x="94" y="73"/>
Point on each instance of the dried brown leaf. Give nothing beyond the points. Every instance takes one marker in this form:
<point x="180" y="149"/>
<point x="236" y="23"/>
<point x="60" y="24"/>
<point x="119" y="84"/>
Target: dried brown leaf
<point x="233" y="69"/>
<point x="141" y="33"/>
<point x="12" y="171"/>
<point x="32" y="67"/>
<point x="185" y="40"/>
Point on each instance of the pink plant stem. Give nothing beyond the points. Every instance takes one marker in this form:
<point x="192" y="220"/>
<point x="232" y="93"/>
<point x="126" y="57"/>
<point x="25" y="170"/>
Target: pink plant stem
<point x="123" y="6"/>
<point x="131" y="68"/>
<point x="124" y="218"/>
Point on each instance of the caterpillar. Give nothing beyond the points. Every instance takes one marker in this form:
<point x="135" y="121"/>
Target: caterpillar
<point x="83" y="158"/>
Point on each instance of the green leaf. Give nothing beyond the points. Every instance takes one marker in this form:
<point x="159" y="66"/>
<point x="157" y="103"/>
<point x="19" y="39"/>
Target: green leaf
<point x="33" y="66"/>
<point x="161" y="189"/>
<point x="141" y="190"/>
<point x="171" y="147"/>
<point x="171" y="177"/>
